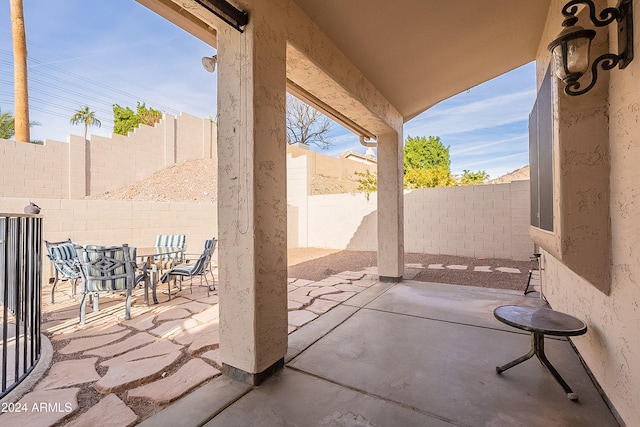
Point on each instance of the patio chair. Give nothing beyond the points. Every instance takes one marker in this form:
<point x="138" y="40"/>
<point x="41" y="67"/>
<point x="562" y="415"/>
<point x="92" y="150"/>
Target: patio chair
<point x="106" y="269"/>
<point x="164" y="262"/>
<point x="64" y="257"/>
<point x="141" y="274"/>
<point x="201" y="267"/>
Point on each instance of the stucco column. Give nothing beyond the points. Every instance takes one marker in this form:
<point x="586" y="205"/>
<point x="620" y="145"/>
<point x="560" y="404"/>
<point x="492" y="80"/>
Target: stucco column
<point x="252" y="205"/>
<point x="390" y="207"/>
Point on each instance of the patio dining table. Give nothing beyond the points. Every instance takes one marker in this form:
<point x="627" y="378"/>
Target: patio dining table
<point x="150" y="253"/>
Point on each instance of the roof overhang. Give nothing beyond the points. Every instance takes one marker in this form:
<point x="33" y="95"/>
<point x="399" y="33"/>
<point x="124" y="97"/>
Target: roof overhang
<point x="420" y="52"/>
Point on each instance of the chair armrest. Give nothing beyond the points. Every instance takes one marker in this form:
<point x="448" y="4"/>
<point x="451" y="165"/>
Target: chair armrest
<point x="190" y="257"/>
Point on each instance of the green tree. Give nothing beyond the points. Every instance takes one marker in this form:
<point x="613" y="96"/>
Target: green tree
<point x="306" y="125"/>
<point x="126" y="120"/>
<point x="148" y="116"/>
<point x="7" y="126"/>
<point x="423" y="153"/>
<point x="86" y="117"/>
<point x="367" y="182"/>
<point x="428" y="178"/>
<point x="473" y="178"/>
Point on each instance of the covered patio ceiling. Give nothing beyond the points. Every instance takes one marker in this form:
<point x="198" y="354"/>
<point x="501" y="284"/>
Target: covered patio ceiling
<point x="420" y="52"/>
<point x="415" y="52"/>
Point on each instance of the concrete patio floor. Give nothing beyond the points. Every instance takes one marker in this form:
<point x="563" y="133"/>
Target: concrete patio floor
<point x="361" y="353"/>
<point x="409" y="354"/>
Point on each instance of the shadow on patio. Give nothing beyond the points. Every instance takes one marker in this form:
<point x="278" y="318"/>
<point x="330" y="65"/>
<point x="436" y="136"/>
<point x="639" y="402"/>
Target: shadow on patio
<point x="410" y="354"/>
<point x="371" y="354"/>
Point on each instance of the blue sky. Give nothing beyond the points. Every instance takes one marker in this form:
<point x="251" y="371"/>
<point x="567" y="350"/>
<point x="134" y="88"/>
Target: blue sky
<point x="100" y="53"/>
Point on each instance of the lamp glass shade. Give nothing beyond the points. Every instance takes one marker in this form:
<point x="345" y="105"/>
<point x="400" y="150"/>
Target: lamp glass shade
<point x="571" y="54"/>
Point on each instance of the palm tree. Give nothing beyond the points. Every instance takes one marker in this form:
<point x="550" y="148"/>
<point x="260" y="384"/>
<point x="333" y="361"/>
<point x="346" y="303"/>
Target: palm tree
<point x="88" y="118"/>
<point x="7" y="126"/>
<point x="20" y="72"/>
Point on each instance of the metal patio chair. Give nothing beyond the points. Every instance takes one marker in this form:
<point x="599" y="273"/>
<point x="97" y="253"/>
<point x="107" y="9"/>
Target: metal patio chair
<point x="165" y="262"/>
<point x="64" y="257"/>
<point x="201" y="267"/>
<point x="106" y="269"/>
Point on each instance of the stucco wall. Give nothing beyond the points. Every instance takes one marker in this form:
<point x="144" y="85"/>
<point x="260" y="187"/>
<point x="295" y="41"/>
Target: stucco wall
<point x="611" y="347"/>
<point x="74" y="169"/>
<point x="104" y="222"/>
<point x="490" y="221"/>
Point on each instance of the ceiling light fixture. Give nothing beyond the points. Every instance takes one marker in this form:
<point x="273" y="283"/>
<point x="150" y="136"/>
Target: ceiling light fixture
<point x="571" y="49"/>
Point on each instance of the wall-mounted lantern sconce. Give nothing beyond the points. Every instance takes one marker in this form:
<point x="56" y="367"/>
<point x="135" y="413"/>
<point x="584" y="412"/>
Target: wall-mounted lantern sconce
<point x="209" y="63"/>
<point x="571" y="49"/>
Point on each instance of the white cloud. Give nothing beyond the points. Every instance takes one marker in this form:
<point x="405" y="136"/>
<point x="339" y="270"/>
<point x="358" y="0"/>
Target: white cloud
<point x="478" y="146"/>
<point x="488" y="113"/>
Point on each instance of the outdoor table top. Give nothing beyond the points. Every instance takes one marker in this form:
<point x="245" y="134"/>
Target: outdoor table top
<point x="541" y="320"/>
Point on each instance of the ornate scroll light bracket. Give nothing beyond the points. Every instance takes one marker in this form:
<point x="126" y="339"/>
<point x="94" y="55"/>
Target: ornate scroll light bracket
<point x="571" y="49"/>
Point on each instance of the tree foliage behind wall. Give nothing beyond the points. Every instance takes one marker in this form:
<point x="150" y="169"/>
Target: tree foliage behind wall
<point x="7" y="125"/>
<point x="126" y="120"/>
<point x="426" y="165"/>
<point x="423" y="153"/>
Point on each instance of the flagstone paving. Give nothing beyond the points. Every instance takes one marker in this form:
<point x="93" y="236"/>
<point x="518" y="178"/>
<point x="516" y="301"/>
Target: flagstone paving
<point x="163" y="352"/>
<point x="170" y="388"/>
<point x="70" y="372"/>
<point x="110" y="411"/>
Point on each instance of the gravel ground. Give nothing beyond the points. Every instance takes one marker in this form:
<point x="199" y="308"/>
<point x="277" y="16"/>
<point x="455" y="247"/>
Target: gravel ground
<point x="316" y="264"/>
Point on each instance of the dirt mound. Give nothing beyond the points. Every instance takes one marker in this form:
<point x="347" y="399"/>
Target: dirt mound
<point x="326" y="185"/>
<point x="516" y="175"/>
<point x="197" y="181"/>
<point x="189" y="181"/>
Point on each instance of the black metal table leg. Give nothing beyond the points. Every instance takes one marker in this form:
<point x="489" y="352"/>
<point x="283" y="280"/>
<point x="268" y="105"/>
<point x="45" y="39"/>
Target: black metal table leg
<point x="539" y="339"/>
<point x="526" y="290"/>
<point x="537" y="348"/>
<point x="501" y="369"/>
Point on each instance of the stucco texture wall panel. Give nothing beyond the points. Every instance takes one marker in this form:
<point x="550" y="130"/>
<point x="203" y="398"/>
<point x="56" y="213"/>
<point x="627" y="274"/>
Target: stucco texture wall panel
<point x="611" y="347"/>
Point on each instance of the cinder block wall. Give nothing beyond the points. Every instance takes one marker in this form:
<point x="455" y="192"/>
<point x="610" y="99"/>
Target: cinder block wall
<point x="75" y="169"/>
<point x="486" y="221"/>
<point x="104" y="222"/>
<point x="482" y="221"/>
<point x="343" y="221"/>
<point x="297" y="196"/>
<point x="33" y="169"/>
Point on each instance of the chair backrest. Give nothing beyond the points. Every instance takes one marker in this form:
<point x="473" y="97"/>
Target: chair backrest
<point x="171" y="240"/>
<point x="64" y="257"/>
<point x="106" y="268"/>
<point x="201" y="265"/>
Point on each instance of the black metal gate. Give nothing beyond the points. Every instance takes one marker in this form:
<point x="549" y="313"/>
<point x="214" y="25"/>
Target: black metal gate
<point x="20" y="297"/>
